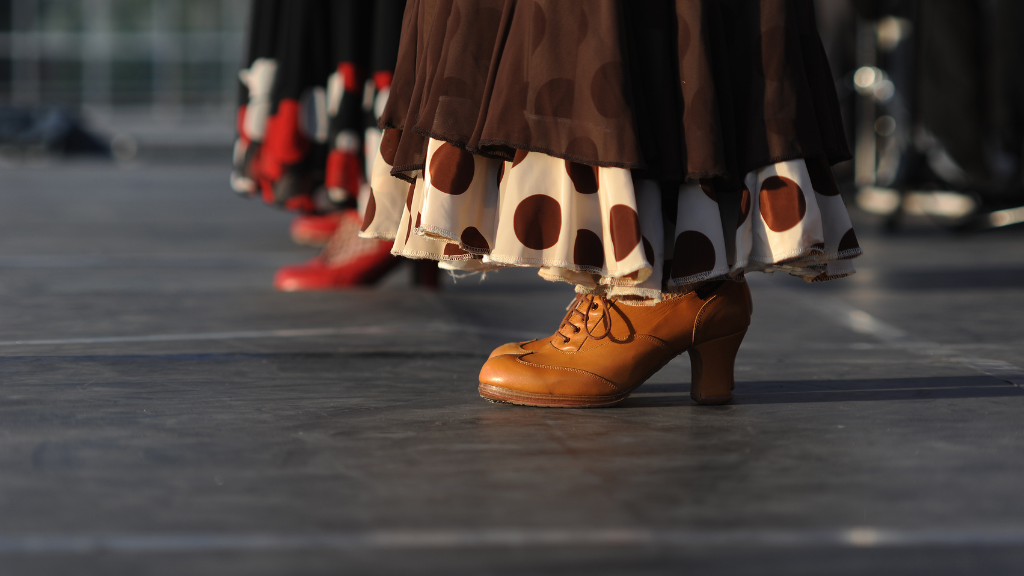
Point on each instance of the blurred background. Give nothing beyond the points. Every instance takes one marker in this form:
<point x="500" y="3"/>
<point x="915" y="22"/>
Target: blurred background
<point x="155" y="77"/>
<point x="933" y="99"/>
<point x="931" y="92"/>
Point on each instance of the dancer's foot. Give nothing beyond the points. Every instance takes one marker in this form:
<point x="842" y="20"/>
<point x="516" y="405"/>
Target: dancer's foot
<point x="346" y="261"/>
<point x="315" y="230"/>
<point x="604" y="350"/>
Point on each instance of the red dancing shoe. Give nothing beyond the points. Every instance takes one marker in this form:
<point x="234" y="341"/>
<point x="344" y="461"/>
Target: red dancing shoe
<point x="314" y="230"/>
<point x="346" y="261"/>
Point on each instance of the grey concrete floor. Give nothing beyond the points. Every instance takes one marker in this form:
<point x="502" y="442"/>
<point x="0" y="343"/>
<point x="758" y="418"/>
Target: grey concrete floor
<point x="164" y="411"/>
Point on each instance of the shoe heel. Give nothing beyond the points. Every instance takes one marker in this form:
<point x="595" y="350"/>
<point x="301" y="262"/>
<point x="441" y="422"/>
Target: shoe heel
<point x="711" y="369"/>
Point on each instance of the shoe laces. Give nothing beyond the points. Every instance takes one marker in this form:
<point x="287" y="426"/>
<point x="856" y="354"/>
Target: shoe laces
<point x="593" y="303"/>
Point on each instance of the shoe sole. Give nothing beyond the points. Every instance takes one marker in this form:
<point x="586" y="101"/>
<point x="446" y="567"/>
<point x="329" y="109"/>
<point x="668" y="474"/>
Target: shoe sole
<point x="498" y="394"/>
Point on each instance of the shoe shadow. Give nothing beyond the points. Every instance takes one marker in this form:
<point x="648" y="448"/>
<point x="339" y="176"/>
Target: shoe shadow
<point x="804" y="391"/>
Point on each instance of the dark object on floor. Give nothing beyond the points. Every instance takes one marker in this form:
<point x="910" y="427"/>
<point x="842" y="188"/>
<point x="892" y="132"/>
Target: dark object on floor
<point x="49" y="130"/>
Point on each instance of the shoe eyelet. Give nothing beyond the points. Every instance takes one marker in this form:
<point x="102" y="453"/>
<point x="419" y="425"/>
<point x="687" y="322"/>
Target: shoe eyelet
<point x="576" y="329"/>
<point x="593" y="306"/>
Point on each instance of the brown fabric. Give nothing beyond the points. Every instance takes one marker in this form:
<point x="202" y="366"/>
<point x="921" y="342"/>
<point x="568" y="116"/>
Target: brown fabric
<point x="684" y="89"/>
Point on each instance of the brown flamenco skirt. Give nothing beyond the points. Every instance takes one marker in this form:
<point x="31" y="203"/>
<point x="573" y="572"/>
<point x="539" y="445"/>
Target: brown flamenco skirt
<point x="630" y="148"/>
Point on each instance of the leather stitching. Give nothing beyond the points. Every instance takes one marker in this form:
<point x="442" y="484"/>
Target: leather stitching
<point x="654" y="339"/>
<point x="574" y="370"/>
<point x="697" y="320"/>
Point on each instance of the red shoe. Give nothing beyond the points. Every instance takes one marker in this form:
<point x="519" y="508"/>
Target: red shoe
<point x="347" y="260"/>
<point x="314" y="230"/>
<point x="316" y="274"/>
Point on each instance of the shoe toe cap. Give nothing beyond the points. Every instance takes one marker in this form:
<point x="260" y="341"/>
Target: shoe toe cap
<point x="514" y="348"/>
<point x="311" y="275"/>
<point x="513" y="372"/>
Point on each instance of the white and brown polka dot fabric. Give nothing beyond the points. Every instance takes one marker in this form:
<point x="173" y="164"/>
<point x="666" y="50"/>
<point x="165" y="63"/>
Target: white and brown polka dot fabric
<point x="543" y="132"/>
<point x="599" y="229"/>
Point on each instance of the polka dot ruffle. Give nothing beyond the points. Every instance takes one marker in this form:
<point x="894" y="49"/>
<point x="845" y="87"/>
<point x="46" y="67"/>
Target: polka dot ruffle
<point x="598" y="229"/>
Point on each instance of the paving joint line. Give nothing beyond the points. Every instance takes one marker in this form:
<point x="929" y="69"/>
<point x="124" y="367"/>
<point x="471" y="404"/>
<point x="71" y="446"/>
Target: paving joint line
<point x="427" y="539"/>
<point x="861" y="322"/>
<point x="379" y="329"/>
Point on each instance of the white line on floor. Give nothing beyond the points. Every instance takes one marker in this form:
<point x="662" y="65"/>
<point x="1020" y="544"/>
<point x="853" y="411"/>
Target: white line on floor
<point x="157" y="260"/>
<point x="857" y="537"/>
<point x="863" y="323"/>
<point x="435" y="327"/>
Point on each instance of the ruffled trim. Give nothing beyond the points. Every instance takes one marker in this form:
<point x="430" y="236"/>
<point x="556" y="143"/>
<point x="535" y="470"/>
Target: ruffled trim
<point x="536" y="211"/>
<point x="596" y="228"/>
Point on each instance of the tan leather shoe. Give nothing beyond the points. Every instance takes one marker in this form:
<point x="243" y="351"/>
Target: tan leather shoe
<point x="516" y="348"/>
<point x="605" y="349"/>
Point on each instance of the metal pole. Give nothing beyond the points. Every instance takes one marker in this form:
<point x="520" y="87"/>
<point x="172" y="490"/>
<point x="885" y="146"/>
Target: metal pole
<point x="230" y="51"/>
<point x="25" y="81"/>
<point x="167" y="57"/>
<point x="97" y="55"/>
<point x="865" y="147"/>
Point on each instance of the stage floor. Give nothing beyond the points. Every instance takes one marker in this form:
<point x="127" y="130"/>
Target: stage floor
<point x="163" y="411"/>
